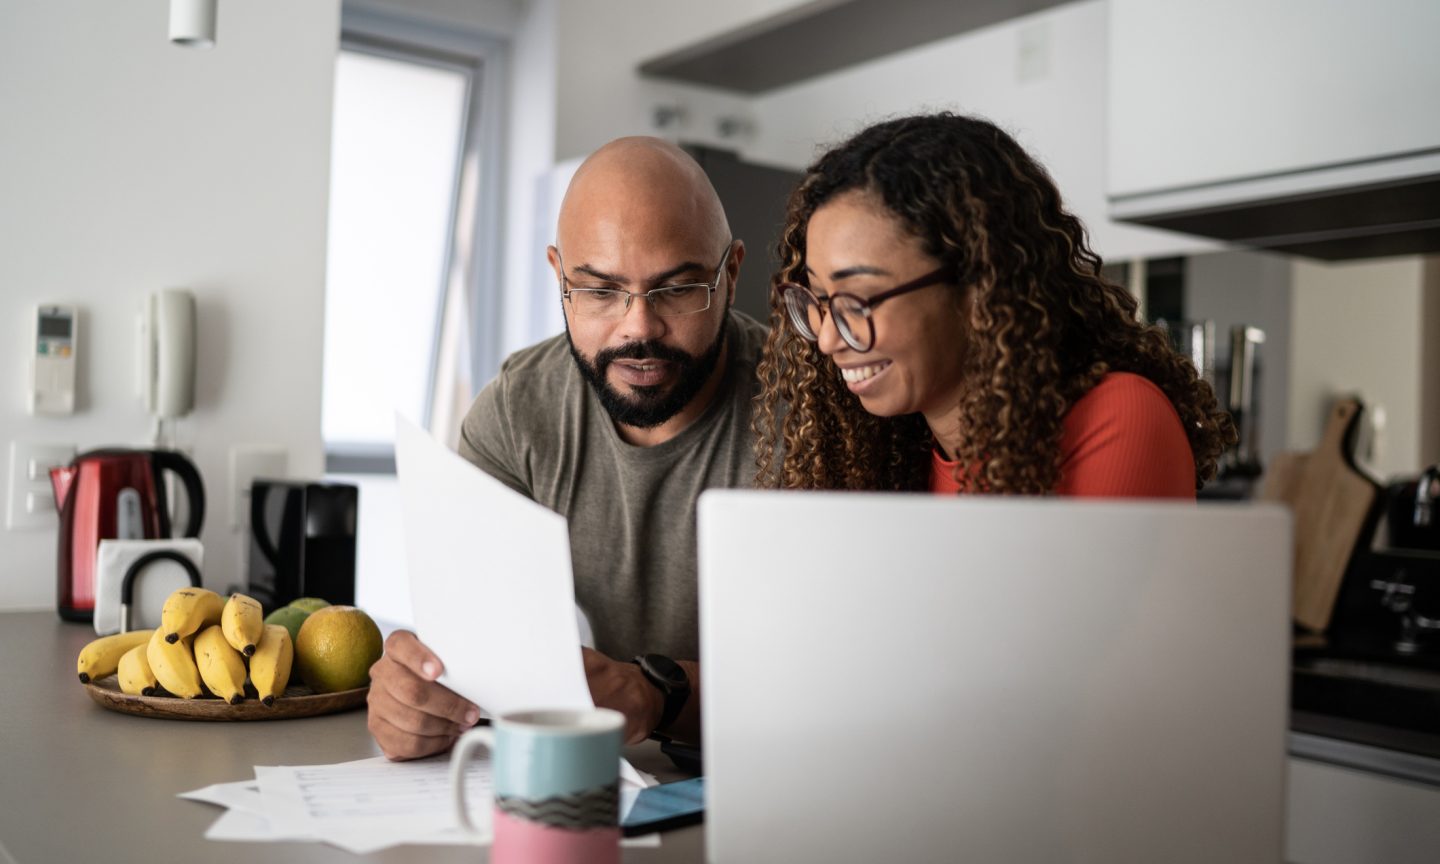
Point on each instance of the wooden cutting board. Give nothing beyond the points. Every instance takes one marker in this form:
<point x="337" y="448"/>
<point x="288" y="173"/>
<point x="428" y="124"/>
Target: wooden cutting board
<point x="1282" y="478"/>
<point x="1332" y="502"/>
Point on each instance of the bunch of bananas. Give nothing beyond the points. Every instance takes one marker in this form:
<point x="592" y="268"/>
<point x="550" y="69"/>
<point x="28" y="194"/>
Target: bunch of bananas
<point x="205" y="643"/>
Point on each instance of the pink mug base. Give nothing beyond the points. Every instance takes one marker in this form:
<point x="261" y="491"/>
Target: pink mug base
<point x="520" y="840"/>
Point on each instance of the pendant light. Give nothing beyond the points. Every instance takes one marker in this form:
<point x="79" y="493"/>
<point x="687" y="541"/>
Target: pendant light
<point x="192" y="23"/>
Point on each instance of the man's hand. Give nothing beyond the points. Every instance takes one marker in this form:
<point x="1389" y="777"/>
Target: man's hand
<point x="625" y="688"/>
<point x="410" y="715"/>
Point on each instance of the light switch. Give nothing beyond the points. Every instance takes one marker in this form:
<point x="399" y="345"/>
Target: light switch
<point x="29" y="498"/>
<point x="38" y="470"/>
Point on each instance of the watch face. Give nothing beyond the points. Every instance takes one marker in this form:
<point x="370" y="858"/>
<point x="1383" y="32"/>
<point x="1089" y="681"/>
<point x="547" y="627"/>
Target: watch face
<point x="666" y="669"/>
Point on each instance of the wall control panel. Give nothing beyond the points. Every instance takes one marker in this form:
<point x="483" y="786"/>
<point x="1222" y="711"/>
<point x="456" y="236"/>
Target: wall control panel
<point x="52" y="360"/>
<point x="30" y="497"/>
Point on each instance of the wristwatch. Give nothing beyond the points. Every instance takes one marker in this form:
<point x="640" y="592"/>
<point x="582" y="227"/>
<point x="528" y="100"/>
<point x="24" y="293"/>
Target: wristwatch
<point x="670" y="679"/>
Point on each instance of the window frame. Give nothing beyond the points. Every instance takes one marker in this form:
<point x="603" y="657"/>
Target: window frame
<point x="484" y="59"/>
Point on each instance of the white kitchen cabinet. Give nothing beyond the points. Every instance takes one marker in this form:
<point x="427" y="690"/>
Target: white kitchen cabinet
<point x="1208" y="91"/>
<point x="1310" y="127"/>
<point x="1342" y="815"/>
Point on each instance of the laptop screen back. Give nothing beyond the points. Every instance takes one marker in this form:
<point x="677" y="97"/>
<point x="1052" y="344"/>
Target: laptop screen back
<point x="917" y="678"/>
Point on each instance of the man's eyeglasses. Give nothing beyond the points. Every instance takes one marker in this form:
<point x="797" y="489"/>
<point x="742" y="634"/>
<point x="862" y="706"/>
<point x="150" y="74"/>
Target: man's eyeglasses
<point x="667" y="300"/>
<point x="852" y="313"/>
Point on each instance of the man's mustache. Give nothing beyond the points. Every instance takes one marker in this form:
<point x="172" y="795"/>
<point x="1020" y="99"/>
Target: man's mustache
<point x="648" y="350"/>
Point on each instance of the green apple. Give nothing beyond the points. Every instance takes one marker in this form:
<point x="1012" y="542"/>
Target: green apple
<point x="289" y="617"/>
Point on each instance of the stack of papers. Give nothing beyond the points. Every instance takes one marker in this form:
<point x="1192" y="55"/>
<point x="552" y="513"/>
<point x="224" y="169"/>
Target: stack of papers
<point x="368" y="805"/>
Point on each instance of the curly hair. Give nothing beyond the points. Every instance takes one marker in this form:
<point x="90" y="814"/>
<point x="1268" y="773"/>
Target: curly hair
<point x="1043" y="328"/>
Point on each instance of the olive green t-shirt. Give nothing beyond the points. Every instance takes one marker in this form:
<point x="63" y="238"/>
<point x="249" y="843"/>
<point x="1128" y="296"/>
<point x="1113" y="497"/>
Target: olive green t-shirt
<point x="541" y="430"/>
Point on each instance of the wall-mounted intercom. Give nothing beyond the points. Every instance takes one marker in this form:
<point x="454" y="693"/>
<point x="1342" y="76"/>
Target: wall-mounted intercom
<point x="54" y="342"/>
<point x="167" y="358"/>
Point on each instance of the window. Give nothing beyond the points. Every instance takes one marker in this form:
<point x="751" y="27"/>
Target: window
<point x="410" y="285"/>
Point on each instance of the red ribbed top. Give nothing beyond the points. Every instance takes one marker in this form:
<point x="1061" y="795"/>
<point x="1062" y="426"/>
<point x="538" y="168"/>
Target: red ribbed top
<point x="1123" y="439"/>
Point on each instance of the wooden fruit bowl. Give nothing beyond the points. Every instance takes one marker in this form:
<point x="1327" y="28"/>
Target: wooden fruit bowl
<point x="298" y="701"/>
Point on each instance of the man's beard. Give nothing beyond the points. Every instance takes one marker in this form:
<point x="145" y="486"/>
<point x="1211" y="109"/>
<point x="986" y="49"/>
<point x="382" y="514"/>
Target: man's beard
<point x="649" y="407"/>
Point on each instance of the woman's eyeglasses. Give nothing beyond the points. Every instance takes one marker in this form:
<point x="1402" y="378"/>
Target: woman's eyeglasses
<point x="852" y="313"/>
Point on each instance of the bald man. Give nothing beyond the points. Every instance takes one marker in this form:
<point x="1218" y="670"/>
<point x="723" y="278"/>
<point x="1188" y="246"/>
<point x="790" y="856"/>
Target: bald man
<point x="618" y="424"/>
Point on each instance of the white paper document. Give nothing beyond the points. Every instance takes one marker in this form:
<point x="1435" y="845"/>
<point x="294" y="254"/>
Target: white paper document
<point x="366" y="805"/>
<point x="491" y="587"/>
<point x="240" y="795"/>
<point x="370" y="795"/>
<point x="241" y="826"/>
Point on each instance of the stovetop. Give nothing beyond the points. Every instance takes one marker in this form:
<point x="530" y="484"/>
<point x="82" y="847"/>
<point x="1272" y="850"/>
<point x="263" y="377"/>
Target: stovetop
<point x="1384" y="701"/>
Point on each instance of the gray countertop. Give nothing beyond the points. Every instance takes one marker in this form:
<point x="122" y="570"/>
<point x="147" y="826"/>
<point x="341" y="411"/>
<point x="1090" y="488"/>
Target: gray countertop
<point x="81" y="783"/>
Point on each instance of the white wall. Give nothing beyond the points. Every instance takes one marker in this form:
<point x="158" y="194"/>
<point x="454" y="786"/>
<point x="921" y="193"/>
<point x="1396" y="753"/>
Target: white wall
<point x="1058" y="111"/>
<point x="602" y="96"/>
<point x="1357" y="327"/>
<point x="129" y="165"/>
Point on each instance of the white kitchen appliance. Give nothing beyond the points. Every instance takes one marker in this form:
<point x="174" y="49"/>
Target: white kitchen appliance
<point x="922" y="678"/>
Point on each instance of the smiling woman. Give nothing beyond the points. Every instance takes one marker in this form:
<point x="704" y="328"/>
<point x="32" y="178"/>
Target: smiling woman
<point x="939" y="322"/>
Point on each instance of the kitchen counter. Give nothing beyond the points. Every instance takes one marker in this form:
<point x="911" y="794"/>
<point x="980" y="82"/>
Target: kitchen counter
<point x="1373" y="701"/>
<point x="80" y="783"/>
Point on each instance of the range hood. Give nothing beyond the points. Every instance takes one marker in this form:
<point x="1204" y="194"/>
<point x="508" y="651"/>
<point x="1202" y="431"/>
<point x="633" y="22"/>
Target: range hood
<point x="1368" y="209"/>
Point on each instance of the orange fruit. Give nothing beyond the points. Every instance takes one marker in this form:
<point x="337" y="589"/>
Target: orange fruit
<point x="336" y="647"/>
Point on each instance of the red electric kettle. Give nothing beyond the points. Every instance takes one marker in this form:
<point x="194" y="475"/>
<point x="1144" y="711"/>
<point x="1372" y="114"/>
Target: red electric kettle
<point x="114" y="495"/>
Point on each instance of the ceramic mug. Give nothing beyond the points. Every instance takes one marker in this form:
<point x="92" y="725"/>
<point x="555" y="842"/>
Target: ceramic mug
<point x="557" y="785"/>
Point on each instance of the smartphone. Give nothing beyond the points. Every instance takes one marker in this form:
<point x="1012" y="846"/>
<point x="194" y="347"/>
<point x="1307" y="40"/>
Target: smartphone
<point x="686" y="757"/>
<point x="669" y="805"/>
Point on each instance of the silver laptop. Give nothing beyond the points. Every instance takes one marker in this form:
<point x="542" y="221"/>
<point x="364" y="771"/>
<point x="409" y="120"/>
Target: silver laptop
<point x="916" y="678"/>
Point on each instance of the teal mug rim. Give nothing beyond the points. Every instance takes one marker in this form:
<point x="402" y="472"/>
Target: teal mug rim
<point x="545" y="721"/>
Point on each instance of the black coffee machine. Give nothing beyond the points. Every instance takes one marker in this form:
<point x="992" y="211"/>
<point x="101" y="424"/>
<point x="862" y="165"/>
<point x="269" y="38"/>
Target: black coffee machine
<point x="302" y="541"/>
<point x="1389" y="604"/>
<point x="1373" y="677"/>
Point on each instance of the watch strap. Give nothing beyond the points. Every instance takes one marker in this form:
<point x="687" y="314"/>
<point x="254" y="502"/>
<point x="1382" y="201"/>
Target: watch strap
<point x="676" y="692"/>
